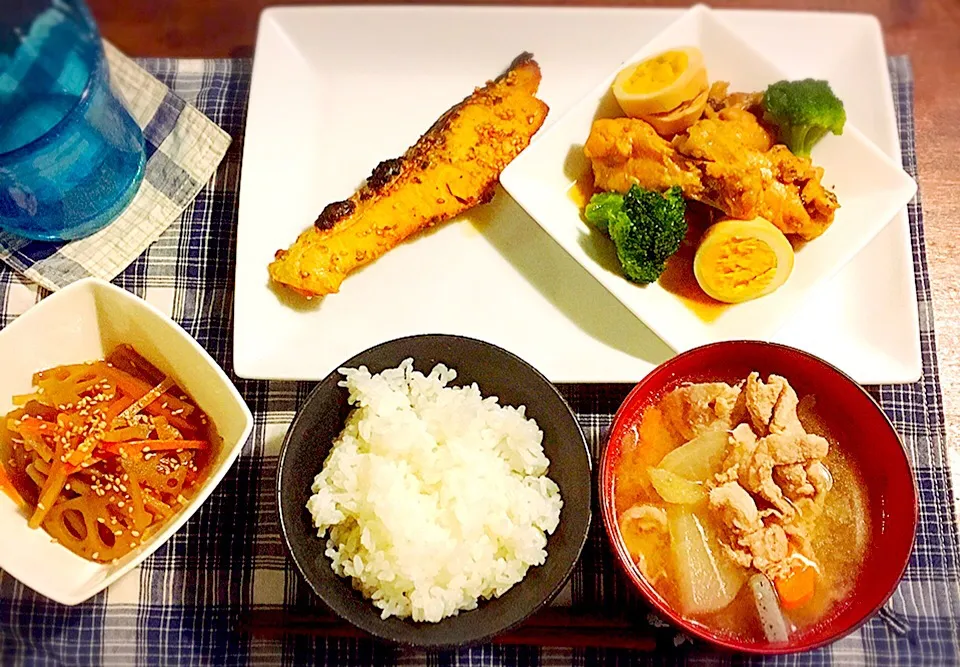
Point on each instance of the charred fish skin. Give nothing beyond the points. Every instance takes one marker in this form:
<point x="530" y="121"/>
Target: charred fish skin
<point x="334" y="213"/>
<point x="453" y="167"/>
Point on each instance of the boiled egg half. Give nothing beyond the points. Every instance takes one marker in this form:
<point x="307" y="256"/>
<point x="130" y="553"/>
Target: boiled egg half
<point x="739" y="260"/>
<point x="661" y="83"/>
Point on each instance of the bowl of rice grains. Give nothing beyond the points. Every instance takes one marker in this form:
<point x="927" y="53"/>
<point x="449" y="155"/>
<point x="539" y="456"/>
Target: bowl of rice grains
<point x="435" y="490"/>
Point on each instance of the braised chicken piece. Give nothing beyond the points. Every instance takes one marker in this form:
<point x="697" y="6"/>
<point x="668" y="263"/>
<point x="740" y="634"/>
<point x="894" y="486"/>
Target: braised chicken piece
<point x="743" y="442"/>
<point x="719" y="97"/>
<point x="727" y="159"/>
<point x="793" y="481"/>
<point x="627" y="151"/>
<point x="737" y="507"/>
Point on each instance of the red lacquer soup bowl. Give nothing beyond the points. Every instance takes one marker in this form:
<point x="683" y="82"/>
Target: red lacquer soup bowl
<point x="862" y="431"/>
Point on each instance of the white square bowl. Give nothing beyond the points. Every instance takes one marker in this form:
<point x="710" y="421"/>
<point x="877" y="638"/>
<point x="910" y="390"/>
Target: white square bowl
<point x="83" y="322"/>
<point x="870" y="186"/>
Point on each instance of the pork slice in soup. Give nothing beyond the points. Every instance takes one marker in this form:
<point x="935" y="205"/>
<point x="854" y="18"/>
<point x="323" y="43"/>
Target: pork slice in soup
<point x="739" y="507"/>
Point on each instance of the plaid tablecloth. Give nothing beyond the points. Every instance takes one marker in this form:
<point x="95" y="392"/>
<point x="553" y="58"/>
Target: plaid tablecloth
<point x="184" y="605"/>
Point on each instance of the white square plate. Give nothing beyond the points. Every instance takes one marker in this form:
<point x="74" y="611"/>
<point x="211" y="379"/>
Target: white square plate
<point x="337" y="89"/>
<point x="870" y="186"/>
<point x="80" y="323"/>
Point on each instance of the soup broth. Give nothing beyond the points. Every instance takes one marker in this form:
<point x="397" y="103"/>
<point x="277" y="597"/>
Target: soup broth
<point x="831" y="537"/>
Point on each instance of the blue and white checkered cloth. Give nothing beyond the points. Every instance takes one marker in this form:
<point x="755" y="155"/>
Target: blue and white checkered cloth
<point x="185" y="604"/>
<point x="183" y="149"/>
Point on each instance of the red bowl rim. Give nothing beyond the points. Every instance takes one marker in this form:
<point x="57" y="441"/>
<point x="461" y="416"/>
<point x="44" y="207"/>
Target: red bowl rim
<point x="625" y="563"/>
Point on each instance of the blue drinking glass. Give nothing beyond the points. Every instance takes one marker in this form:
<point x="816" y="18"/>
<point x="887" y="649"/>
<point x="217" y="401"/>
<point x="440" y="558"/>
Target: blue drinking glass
<point x="71" y="157"/>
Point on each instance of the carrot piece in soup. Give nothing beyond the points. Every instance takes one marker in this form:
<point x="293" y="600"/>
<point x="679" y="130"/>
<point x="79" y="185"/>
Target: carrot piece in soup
<point x="797" y="587"/>
<point x="643" y="446"/>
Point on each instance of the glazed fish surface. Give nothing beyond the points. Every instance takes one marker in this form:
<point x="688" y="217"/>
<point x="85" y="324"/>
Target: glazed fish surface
<point x="452" y="168"/>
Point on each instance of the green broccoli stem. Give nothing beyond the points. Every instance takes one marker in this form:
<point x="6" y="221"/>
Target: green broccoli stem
<point x="802" y="138"/>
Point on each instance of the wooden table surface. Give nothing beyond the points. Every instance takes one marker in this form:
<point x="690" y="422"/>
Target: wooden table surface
<point x="927" y="30"/>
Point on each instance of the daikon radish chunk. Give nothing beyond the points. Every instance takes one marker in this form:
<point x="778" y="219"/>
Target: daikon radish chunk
<point x="675" y="489"/>
<point x="698" y="459"/>
<point x="707" y="580"/>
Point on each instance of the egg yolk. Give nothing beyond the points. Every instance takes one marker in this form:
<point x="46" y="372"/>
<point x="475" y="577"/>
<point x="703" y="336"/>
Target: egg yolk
<point x="740" y="265"/>
<point x="656" y="73"/>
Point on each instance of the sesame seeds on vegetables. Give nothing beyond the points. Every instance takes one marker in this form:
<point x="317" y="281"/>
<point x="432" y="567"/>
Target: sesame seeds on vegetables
<point x="111" y="449"/>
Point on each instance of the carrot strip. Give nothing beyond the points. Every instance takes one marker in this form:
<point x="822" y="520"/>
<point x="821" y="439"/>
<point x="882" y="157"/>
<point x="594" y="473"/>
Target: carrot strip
<point x="145" y="400"/>
<point x="84" y="451"/>
<point x="37" y="427"/>
<point x="111" y="448"/>
<point x="165" y="445"/>
<point x="137" y="387"/>
<point x="119" y="404"/>
<point x="114" y="448"/>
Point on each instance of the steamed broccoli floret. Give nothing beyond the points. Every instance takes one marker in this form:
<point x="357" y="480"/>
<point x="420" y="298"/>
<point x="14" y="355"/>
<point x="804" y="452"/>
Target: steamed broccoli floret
<point x="604" y="208"/>
<point x="646" y="228"/>
<point x="803" y="111"/>
<point x="655" y="227"/>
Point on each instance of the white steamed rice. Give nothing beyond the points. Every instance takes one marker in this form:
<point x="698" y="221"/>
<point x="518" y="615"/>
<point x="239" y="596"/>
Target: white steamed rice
<point x="433" y="497"/>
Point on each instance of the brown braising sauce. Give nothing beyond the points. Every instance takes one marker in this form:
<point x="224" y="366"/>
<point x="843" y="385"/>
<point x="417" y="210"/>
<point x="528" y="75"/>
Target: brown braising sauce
<point x="582" y="189"/>
<point x="678" y="279"/>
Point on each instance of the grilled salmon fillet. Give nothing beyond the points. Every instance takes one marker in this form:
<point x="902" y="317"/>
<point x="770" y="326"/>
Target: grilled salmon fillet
<point x="453" y="167"/>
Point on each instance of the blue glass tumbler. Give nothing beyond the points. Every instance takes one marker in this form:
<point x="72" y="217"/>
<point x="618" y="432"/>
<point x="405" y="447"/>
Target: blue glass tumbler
<point x="71" y="157"/>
